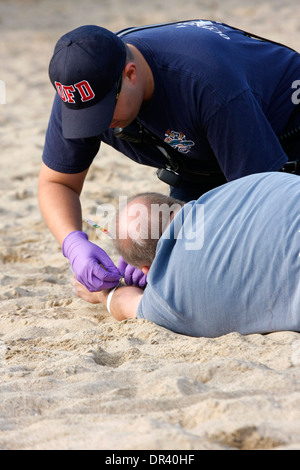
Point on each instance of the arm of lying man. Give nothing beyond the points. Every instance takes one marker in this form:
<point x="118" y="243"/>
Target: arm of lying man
<point x="123" y="303"/>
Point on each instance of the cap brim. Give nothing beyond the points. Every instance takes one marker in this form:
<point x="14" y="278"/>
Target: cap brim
<point x="91" y="121"/>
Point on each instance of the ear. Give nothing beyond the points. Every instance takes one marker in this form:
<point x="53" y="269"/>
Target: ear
<point x="145" y="269"/>
<point x="130" y="72"/>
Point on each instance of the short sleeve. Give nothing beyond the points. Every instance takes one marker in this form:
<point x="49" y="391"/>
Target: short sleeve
<point x="67" y="155"/>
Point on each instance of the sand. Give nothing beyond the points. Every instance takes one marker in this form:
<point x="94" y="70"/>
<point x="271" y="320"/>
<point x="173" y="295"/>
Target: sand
<point x="71" y="377"/>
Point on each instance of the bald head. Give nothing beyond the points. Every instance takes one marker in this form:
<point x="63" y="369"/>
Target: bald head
<point x="141" y="223"/>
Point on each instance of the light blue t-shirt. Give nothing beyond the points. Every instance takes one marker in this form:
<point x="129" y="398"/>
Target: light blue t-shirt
<point x="234" y="264"/>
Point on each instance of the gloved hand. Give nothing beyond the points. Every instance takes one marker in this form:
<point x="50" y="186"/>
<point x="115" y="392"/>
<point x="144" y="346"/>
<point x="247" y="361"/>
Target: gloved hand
<point x="86" y="259"/>
<point x="132" y="276"/>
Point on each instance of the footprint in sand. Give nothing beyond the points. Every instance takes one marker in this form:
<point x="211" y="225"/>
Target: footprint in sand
<point x="3" y="349"/>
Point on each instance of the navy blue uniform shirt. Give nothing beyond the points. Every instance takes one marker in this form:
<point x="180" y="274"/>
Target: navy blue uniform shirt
<point x="221" y="98"/>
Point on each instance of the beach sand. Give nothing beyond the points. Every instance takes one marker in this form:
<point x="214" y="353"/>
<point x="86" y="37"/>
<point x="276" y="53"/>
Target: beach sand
<point x="71" y="377"/>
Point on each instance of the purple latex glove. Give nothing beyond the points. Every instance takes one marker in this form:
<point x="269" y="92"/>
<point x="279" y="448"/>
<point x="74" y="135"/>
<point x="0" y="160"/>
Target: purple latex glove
<point x="132" y="276"/>
<point x="85" y="258"/>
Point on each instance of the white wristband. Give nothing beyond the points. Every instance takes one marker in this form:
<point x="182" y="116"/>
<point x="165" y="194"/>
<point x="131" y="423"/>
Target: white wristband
<point x="109" y="298"/>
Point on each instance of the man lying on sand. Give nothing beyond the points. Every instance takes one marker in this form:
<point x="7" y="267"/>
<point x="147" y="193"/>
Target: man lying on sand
<point x="227" y="262"/>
